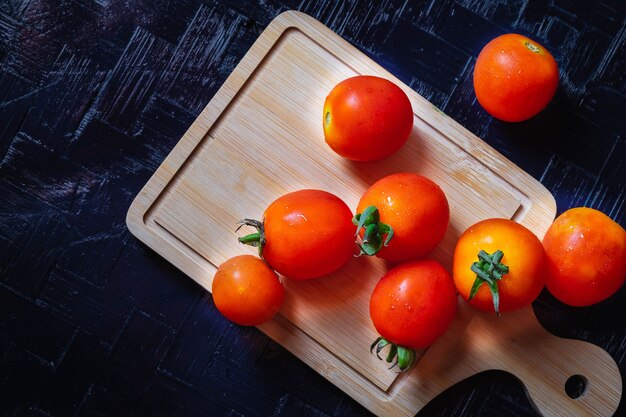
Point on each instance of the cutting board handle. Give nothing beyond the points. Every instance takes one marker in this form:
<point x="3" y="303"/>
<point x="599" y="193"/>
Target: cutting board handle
<point x="561" y="384"/>
<point x="548" y="366"/>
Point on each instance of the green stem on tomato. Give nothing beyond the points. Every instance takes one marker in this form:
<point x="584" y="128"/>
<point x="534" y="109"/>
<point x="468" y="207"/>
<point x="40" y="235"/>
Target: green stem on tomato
<point x="489" y="270"/>
<point x="401" y="356"/>
<point x="373" y="232"/>
<point x="253" y="239"/>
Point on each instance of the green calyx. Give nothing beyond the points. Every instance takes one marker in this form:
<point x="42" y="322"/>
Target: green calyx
<point x="253" y="239"/>
<point x="489" y="270"/>
<point x="401" y="356"/>
<point x="373" y="232"/>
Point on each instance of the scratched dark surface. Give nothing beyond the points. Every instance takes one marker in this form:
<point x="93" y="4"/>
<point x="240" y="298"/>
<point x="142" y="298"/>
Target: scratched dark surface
<point x="94" y="94"/>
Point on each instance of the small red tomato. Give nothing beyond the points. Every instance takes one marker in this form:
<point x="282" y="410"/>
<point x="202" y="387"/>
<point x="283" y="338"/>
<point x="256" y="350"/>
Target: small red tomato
<point x="367" y="118"/>
<point x="246" y="291"/>
<point x="304" y="234"/>
<point x="412" y="305"/>
<point x="586" y="257"/>
<point x="515" y="77"/>
<point x="498" y="266"/>
<point x="401" y="217"/>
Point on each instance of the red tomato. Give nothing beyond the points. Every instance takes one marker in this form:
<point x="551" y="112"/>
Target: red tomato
<point x="412" y="306"/>
<point x="305" y="234"/>
<point x="367" y="118"/>
<point x="246" y="291"/>
<point x="504" y="256"/>
<point x="407" y="216"/>
<point x="515" y="77"/>
<point x="586" y="257"/>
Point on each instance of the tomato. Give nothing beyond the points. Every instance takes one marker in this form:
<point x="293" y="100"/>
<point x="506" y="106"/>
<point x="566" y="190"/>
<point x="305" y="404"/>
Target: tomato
<point x="304" y="234"/>
<point x="367" y="118"/>
<point x="506" y="257"/>
<point x="246" y="291"/>
<point x="586" y="257"/>
<point x="411" y="306"/>
<point x="515" y="77"/>
<point x="402" y="216"/>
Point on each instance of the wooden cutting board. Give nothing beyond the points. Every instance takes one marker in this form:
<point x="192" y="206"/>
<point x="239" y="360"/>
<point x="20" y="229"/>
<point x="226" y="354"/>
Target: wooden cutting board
<point x="261" y="136"/>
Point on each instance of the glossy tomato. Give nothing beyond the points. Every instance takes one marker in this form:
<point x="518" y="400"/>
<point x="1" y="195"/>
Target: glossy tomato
<point x="412" y="306"/>
<point x="515" y="77"/>
<point x="498" y="266"/>
<point x="367" y="118"/>
<point x="246" y="291"/>
<point x="304" y="234"/>
<point x="586" y="256"/>
<point x="402" y="216"/>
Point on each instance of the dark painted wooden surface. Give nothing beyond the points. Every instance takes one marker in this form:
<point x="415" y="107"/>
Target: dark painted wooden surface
<point x="94" y="94"/>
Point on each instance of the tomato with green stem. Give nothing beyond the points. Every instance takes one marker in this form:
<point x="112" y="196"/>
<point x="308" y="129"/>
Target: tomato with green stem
<point x="304" y="234"/>
<point x="411" y="306"/>
<point x="401" y="216"/>
<point x="498" y="266"/>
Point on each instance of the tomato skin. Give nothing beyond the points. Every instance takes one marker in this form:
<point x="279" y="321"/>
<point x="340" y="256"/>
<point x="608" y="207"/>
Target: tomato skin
<point x="309" y="233"/>
<point x="417" y="210"/>
<point x="246" y="291"/>
<point x="414" y="303"/>
<point x="367" y="118"/>
<point x="513" y="81"/>
<point x="586" y="257"/>
<point x="523" y="254"/>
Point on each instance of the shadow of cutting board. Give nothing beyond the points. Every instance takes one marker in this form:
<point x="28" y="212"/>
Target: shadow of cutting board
<point x="261" y="136"/>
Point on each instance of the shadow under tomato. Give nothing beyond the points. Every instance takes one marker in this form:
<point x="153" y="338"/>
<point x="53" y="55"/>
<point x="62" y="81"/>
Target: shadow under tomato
<point x="406" y="159"/>
<point x="350" y="286"/>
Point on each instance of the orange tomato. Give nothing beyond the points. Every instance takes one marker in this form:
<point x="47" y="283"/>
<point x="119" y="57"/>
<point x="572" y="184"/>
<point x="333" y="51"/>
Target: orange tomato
<point x="412" y="306"/>
<point x="501" y="262"/>
<point x="586" y="257"/>
<point x="246" y="291"/>
<point x="402" y="216"/>
<point x="304" y="234"/>
<point x="515" y="77"/>
<point x="367" y="118"/>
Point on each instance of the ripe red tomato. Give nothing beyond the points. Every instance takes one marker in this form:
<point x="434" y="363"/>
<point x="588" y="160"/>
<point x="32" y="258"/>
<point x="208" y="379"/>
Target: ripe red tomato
<point x="246" y="291"/>
<point x="367" y="118"/>
<point x="515" y="77"/>
<point x="402" y="216"/>
<point x="304" y="234"/>
<point x="586" y="257"/>
<point x="506" y="257"/>
<point x="412" y="305"/>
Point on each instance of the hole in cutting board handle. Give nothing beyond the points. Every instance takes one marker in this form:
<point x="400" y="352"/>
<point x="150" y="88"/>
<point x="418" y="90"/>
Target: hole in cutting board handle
<point x="576" y="386"/>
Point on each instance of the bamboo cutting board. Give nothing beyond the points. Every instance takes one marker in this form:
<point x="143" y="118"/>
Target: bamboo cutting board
<point x="261" y="136"/>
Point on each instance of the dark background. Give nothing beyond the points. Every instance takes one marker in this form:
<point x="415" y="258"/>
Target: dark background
<point x="93" y="96"/>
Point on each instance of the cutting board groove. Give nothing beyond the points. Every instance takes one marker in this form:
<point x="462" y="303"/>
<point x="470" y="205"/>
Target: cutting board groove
<point x="261" y="136"/>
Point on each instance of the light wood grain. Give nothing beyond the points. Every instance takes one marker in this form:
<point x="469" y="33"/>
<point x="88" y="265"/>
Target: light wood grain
<point x="261" y="136"/>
